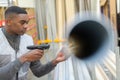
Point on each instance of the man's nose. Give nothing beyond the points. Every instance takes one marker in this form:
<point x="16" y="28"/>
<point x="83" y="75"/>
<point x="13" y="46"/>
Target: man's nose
<point x="25" y="26"/>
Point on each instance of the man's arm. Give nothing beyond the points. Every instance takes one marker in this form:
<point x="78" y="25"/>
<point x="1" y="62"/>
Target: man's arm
<point x="39" y="70"/>
<point x="8" y="71"/>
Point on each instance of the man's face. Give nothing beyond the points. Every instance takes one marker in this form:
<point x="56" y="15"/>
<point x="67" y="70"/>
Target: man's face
<point x="18" y="24"/>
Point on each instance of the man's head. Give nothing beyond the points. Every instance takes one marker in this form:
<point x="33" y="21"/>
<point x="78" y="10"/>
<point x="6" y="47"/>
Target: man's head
<point x="16" y="20"/>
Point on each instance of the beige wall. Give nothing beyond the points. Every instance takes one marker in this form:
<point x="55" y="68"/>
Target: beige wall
<point x="118" y="6"/>
<point x="26" y="3"/>
<point x="21" y="3"/>
<point x="3" y="3"/>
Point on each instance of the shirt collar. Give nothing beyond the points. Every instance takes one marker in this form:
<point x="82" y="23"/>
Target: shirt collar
<point x="9" y="36"/>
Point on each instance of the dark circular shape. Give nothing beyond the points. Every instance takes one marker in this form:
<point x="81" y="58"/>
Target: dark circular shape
<point x="87" y="37"/>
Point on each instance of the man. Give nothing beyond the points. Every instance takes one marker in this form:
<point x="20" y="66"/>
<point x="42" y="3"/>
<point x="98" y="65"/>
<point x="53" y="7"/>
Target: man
<point x="15" y="59"/>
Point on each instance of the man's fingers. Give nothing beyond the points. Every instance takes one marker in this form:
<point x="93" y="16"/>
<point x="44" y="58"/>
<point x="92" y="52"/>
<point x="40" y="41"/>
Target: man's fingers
<point x="40" y="53"/>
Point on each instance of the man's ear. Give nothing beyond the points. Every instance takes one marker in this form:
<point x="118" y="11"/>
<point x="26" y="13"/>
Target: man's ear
<point x="8" y="22"/>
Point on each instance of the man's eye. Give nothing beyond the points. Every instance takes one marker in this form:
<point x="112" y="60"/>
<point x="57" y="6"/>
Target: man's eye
<point x="27" y="22"/>
<point x="24" y="22"/>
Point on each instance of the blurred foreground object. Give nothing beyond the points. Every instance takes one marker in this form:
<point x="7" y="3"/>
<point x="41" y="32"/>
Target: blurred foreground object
<point x="90" y="36"/>
<point x="41" y="47"/>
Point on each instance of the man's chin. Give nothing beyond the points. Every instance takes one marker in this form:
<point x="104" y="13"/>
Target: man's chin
<point x="22" y="33"/>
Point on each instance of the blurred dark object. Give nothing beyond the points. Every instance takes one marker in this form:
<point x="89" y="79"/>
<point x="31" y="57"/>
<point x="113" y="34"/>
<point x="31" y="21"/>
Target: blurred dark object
<point x="118" y="27"/>
<point x="41" y="47"/>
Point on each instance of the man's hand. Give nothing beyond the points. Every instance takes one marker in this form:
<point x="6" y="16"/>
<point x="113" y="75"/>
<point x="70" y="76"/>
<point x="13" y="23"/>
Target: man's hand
<point x="60" y="57"/>
<point x="63" y="53"/>
<point x="32" y="55"/>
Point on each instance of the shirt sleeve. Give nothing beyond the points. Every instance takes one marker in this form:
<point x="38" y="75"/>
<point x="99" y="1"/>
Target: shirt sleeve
<point x="39" y="70"/>
<point x="8" y="71"/>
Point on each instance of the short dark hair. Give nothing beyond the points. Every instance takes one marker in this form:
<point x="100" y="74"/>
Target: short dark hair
<point x="14" y="10"/>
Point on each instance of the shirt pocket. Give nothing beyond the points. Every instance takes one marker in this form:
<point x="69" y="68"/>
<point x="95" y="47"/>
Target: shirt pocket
<point x="5" y="59"/>
<point x="24" y="70"/>
<point x="25" y="67"/>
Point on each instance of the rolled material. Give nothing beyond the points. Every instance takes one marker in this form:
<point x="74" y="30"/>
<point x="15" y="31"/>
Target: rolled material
<point x="90" y="37"/>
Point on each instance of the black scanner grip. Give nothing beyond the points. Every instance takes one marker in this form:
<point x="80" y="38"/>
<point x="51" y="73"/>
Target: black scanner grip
<point x="41" y="47"/>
